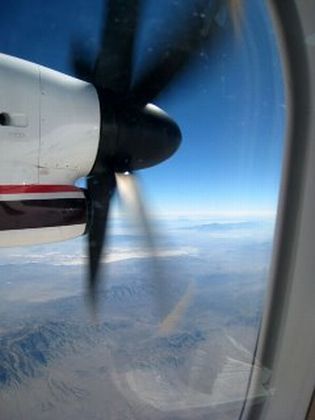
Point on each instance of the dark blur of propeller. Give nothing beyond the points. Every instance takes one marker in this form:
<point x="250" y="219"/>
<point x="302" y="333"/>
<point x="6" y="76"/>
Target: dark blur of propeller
<point x="114" y="63"/>
<point x="133" y="134"/>
<point x="178" y="52"/>
<point x="100" y="189"/>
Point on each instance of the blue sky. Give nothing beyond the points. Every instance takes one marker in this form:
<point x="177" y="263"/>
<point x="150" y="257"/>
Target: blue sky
<point x="231" y="108"/>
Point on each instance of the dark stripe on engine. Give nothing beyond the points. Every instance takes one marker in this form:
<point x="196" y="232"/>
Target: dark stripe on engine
<point x="37" y="188"/>
<point x="29" y="214"/>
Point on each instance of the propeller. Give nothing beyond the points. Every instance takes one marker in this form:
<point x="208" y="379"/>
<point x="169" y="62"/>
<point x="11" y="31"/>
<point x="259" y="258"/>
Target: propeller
<point x="134" y="134"/>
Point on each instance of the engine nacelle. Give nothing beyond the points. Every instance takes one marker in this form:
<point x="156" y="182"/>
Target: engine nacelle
<point x="49" y="136"/>
<point x="32" y="214"/>
<point x="49" y="125"/>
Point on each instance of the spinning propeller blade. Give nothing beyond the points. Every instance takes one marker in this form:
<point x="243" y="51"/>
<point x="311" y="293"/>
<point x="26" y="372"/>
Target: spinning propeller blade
<point x="114" y="63"/>
<point x="133" y="134"/>
<point x="178" y="52"/>
<point x="100" y="188"/>
<point x="132" y="199"/>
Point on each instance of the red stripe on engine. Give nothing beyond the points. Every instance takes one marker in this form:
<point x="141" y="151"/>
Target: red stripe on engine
<point x="36" y="188"/>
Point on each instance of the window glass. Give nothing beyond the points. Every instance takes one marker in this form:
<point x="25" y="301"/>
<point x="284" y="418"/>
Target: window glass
<point x="181" y="344"/>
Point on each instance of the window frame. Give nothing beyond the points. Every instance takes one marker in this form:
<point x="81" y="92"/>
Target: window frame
<point x="286" y="342"/>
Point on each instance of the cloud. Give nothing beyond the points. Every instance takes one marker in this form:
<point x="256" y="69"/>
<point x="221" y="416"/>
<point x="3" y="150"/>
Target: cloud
<point x="77" y="257"/>
<point x="212" y="240"/>
<point x="248" y="230"/>
<point x="223" y="226"/>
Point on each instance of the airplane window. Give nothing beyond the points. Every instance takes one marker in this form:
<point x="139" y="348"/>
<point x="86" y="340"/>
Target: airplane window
<point x="181" y="293"/>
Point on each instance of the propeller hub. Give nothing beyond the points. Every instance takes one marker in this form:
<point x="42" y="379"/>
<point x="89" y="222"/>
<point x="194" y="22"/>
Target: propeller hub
<point x="134" y="137"/>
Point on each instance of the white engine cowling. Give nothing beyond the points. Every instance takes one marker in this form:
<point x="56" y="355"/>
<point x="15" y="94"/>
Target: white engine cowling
<point x="49" y="135"/>
<point x="49" y="125"/>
